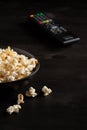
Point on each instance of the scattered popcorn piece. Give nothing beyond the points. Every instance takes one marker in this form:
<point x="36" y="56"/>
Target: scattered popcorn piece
<point x="14" y="108"/>
<point x="10" y="109"/>
<point x="31" y="92"/>
<point x="20" y="98"/>
<point x="46" y="90"/>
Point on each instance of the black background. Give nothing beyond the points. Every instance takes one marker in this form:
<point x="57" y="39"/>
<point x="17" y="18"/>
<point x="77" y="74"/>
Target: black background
<point x="63" y="69"/>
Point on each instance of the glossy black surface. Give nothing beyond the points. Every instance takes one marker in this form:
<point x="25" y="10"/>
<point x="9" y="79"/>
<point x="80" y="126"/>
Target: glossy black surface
<point x="63" y="69"/>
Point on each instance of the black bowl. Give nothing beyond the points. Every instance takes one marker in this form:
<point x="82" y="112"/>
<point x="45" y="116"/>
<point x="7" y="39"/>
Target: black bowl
<point x="20" y="83"/>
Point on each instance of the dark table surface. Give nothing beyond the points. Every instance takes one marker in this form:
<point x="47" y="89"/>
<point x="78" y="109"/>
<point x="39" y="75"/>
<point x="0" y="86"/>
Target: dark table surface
<point x="63" y="69"/>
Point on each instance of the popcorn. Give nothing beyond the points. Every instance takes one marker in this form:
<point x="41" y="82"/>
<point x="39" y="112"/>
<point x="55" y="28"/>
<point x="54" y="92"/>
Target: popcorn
<point x="10" y="109"/>
<point x="20" y="98"/>
<point x="14" y="66"/>
<point x="46" y="90"/>
<point x="31" y="92"/>
<point x="33" y="61"/>
<point x="14" y="108"/>
<point x="10" y="78"/>
<point x="30" y="67"/>
<point x="14" y="74"/>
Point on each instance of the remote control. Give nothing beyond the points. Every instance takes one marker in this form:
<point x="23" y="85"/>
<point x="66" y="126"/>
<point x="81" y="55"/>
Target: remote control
<point x="57" y="31"/>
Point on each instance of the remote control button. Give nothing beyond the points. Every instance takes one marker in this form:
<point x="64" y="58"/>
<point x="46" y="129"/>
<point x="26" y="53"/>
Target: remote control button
<point x="47" y="21"/>
<point x="63" y="29"/>
<point x="55" y="29"/>
<point x="44" y="21"/>
<point x="31" y="15"/>
<point x="40" y="14"/>
<point x="40" y="22"/>
<point x="50" y="20"/>
<point x="68" y="37"/>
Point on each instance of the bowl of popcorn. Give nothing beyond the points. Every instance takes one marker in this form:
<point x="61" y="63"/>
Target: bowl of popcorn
<point x="16" y="66"/>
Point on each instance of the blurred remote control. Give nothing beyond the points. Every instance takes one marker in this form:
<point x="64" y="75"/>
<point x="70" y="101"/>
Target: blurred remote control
<point x="55" y="30"/>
